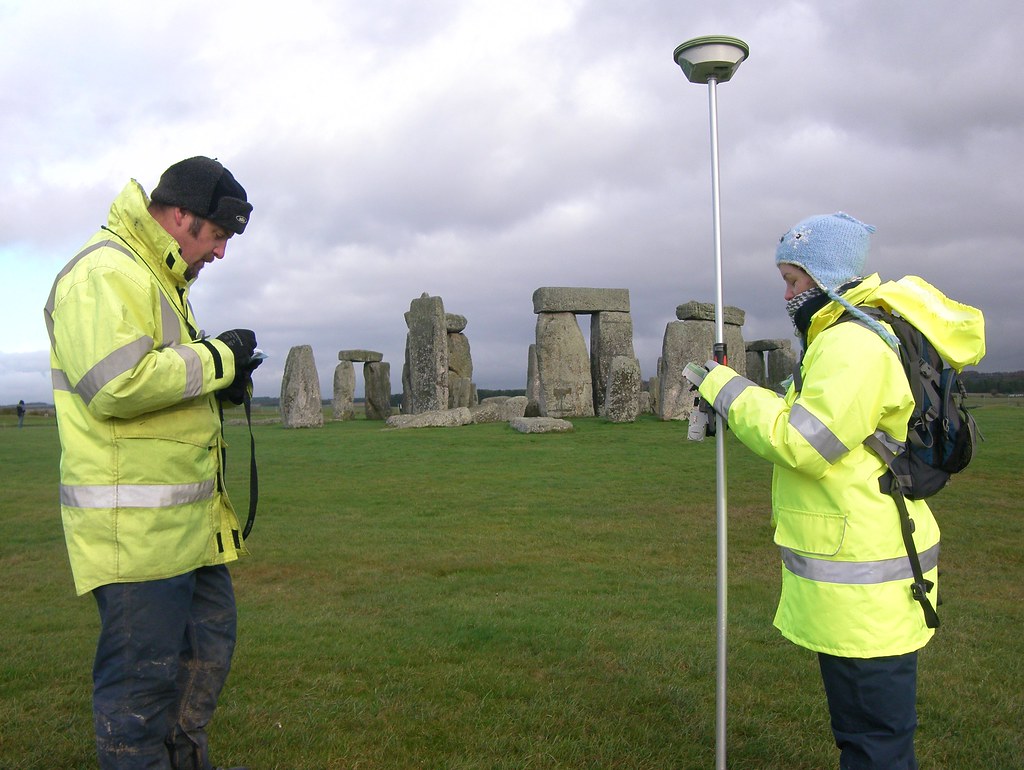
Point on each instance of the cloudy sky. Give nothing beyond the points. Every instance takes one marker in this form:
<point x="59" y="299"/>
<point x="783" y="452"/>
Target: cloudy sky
<point x="479" y="149"/>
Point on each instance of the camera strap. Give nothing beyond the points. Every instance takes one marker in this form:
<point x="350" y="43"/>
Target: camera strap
<point x="254" y="483"/>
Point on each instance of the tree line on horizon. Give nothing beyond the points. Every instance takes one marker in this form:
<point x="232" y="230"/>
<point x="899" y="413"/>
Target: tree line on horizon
<point x="993" y="383"/>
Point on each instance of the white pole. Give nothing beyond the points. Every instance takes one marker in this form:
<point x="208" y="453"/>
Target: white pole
<point x="720" y="481"/>
<point x="714" y="60"/>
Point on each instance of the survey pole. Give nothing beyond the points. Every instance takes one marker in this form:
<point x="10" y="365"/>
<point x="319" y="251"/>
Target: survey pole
<point x="713" y="60"/>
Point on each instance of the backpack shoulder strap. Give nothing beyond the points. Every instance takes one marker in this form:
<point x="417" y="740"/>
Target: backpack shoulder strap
<point x="910" y="349"/>
<point x="921" y="587"/>
<point x="875" y="312"/>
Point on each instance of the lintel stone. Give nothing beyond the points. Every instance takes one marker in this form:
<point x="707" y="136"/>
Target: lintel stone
<point x="705" y="311"/>
<point x="761" y="346"/>
<point x="455" y="323"/>
<point x="562" y="299"/>
<point x="363" y="356"/>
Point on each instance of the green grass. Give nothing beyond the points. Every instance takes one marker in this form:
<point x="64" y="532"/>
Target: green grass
<point x="477" y="598"/>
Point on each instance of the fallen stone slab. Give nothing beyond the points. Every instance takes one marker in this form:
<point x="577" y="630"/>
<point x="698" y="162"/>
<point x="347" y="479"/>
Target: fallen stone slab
<point x="501" y="411"/>
<point x="540" y="425"/>
<point x="435" y="418"/>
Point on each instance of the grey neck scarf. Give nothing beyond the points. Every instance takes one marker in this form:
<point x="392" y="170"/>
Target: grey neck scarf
<point x="813" y="299"/>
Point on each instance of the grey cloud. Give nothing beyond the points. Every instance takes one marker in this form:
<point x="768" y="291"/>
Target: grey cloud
<point x="397" y="147"/>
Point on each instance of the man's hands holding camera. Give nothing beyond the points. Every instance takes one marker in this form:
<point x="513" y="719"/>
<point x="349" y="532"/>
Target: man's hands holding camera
<point x="242" y="343"/>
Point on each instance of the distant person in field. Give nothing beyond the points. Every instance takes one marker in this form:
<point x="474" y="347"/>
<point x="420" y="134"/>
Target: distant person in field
<point x="149" y="526"/>
<point x="846" y="573"/>
<point x="21" y="414"/>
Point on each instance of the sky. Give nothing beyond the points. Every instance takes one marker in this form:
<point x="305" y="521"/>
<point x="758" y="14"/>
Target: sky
<point x="477" y="150"/>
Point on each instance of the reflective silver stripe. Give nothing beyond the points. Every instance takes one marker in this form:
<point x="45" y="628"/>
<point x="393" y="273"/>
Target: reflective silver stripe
<point x="59" y="380"/>
<point x="816" y="433"/>
<point x="135" y="495"/>
<point x="884" y="445"/>
<point x="171" y="329"/>
<point x="857" y="572"/>
<point x="48" y="308"/>
<point x="193" y="370"/>
<point x="117" y="363"/>
<point x="729" y="393"/>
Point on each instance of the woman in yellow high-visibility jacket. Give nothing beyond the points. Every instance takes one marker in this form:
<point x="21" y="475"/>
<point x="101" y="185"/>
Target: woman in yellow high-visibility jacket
<point x="846" y="575"/>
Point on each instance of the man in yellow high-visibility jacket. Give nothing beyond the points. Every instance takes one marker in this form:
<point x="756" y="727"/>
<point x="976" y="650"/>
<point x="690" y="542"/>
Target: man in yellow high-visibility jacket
<point x="846" y="575"/>
<point x="147" y="520"/>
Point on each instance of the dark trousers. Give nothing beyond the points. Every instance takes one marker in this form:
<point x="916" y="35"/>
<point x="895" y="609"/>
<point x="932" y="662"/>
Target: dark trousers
<point x="163" y="656"/>
<point x="872" y="703"/>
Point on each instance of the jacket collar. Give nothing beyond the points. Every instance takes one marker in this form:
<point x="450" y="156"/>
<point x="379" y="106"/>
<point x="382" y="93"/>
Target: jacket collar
<point x="833" y="311"/>
<point x="130" y="219"/>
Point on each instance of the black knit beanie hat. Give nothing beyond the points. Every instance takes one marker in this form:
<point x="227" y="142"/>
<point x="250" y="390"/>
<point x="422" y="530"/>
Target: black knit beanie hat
<point x="207" y="189"/>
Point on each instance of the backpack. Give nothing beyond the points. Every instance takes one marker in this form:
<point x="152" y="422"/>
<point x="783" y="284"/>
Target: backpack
<point x="941" y="432"/>
<point x="941" y="436"/>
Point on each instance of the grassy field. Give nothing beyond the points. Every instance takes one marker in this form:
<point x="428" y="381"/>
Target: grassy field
<point x="476" y="598"/>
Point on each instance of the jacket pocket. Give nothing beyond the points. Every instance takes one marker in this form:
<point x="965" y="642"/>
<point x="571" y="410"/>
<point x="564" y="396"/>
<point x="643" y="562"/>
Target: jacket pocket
<point x="191" y="423"/>
<point x="816" y="533"/>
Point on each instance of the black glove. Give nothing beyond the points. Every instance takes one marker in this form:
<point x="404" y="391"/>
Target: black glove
<point x="242" y="343"/>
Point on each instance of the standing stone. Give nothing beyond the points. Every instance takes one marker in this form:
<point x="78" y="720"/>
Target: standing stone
<point x="781" y="363"/>
<point x="684" y="342"/>
<point x="460" y="392"/>
<point x="532" y="383"/>
<point x="611" y="335"/>
<point x="460" y="360"/>
<point x="460" y="367"/>
<point x="622" y="396"/>
<point x="563" y="363"/>
<point x="344" y="391"/>
<point x="654" y="388"/>
<point x="775" y="359"/>
<point x="692" y="338"/>
<point x="377" y="379"/>
<point x="301" y="405"/>
<point x="427" y="355"/>
<point x="756" y="367"/>
<point x="406" y="382"/>
<point x="645" y="402"/>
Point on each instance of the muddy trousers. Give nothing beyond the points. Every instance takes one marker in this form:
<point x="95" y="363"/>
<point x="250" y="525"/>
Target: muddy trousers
<point x="162" y="659"/>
